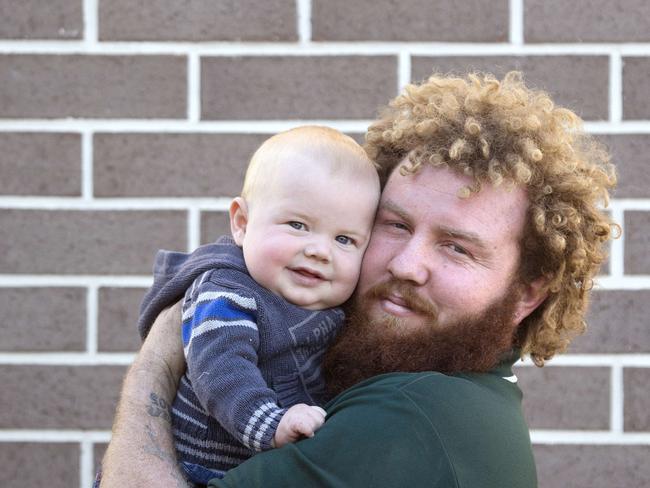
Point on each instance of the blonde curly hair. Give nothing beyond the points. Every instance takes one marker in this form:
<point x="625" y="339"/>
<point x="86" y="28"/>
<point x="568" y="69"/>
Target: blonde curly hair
<point x="501" y="132"/>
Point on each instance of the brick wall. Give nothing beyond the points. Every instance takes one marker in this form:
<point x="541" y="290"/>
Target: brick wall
<point x="107" y="105"/>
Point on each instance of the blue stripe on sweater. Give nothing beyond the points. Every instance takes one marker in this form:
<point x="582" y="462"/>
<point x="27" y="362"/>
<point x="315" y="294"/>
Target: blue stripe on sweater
<point x="219" y="309"/>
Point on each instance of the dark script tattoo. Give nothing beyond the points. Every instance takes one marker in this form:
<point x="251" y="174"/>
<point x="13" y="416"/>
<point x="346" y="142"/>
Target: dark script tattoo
<point x="158" y="407"/>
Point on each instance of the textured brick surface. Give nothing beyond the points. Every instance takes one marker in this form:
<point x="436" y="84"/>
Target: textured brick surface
<point x="637" y="401"/>
<point x="570" y="466"/>
<point x="40" y="164"/>
<point x="617" y="322"/>
<point x="39" y="464"/>
<point x="296" y="87"/>
<point x="118" y="318"/>
<point x="565" y="397"/>
<point x="410" y="20"/>
<point x="637" y="242"/>
<point x="580" y="83"/>
<point x="213" y="225"/>
<point x="636" y="89"/>
<point x="42" y="319"/>
<point x="33" y="19"/>
<point x="207" y="165"/>
<point x="98" y="455"/>
<point x="40" y="86"/>
<point x="87" y="242"/>
<point x="81" y="397"/>
<point x="586" y="21"/>
<point x="198" y="20"/>
<point x="630" y="154"/>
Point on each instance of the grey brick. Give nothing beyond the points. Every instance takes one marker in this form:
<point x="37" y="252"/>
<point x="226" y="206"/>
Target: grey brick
<point x="580" y="466"/>
<point x="198" y="20"/>
<point x="39" y="464"/>
<point x="98" y="454"/>
<point x="118" y="318"/>
<point x="410" y="20"/>
<point x="296" y="87"/>
<point x="580" y="83"/>
<point x="565" y="397"/>
<point x="637" y="242"/>
<point x="33" y="19"/>
<point x="167" y="165"/>
<point x="43" y="319"/>
<point x="59" y="397"/>
<point x="616" y="323"/>
<point x="586" y="21"/>
<point x="213" y="225"/>
<point x="93" y="86"/>
<point x="636" y="89"/>
<point x="40" y="164"/>
<point x="87" y="242"/>
<point x="360" y="137"/>
<point x="630" y="153"/>
<point x="637" y="403"/>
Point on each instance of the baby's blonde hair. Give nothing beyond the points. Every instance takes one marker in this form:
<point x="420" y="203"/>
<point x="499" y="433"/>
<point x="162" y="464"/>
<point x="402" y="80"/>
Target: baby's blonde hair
<point x="313" y="142"/>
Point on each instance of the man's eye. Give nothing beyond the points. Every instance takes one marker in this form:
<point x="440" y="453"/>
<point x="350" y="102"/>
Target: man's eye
<point x="458" y="250"/>
<point x="297" y="225"/>
<point x="345" y="240"/>
<point x="397" y="225"/>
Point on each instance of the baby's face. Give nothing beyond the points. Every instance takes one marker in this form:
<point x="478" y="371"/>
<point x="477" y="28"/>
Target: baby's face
<point x="306" y="235"/>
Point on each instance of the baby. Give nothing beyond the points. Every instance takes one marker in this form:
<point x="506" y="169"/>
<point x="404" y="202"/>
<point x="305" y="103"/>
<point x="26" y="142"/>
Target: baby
<point x="260" y="307"/>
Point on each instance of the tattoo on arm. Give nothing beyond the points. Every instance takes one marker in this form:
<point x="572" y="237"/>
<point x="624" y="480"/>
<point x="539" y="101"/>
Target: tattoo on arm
<point x="158" y="407"/>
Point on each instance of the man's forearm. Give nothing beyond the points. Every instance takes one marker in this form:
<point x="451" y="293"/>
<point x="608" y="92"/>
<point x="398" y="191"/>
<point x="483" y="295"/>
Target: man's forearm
<point x="141" y="452"/>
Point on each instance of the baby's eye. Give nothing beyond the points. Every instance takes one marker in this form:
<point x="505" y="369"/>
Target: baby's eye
<point x="345" y="240"/>
<point x="297" y="225"/>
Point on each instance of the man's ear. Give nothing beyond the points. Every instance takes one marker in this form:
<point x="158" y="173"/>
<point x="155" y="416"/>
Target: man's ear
<point x="238" y="219"/>
<point x="532" y="295"/>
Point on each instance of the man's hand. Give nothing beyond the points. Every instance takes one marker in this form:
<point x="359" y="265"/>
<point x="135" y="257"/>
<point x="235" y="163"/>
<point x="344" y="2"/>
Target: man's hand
<point x="141" y="451"/>
<point x="299" y="421"/>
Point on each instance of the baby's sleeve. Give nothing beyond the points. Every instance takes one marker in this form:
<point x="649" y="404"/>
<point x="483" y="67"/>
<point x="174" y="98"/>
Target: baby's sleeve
<point x="221" y="341"/>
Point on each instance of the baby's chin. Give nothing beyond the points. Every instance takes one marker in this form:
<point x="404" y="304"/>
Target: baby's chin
<point x="318" y="303"/>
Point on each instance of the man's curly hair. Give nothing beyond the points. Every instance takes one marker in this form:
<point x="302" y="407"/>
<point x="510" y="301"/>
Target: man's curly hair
<point x="504" y="133"/>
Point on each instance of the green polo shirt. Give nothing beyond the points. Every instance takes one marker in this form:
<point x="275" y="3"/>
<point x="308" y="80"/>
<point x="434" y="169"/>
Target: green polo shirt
<point x="412" y="430"/>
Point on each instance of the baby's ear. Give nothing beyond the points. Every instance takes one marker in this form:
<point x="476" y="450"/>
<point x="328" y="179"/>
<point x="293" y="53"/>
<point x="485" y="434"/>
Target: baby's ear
<point x="238" y="219"/>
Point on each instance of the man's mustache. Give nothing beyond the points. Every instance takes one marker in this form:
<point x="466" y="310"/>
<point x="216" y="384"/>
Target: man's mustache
<point x="406" y="293"/>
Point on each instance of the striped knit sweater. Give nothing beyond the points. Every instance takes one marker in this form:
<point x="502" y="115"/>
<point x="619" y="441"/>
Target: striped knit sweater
<point x="250" y="354"/>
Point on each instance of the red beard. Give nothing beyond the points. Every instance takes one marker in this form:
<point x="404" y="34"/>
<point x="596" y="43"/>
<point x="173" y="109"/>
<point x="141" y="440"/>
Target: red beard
<point x="364" y="349"/>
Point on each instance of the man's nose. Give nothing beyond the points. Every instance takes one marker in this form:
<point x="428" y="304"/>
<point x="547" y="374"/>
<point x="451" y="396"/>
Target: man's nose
<point x="412" y="263"/>
<point x="319" y="249"/>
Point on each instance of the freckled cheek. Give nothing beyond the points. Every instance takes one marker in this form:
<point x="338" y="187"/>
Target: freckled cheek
<point x="459" y="293"/>
<point x="380" y="251"/>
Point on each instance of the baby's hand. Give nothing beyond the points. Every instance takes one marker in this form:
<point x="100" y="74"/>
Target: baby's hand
<point x="300" y="421"/>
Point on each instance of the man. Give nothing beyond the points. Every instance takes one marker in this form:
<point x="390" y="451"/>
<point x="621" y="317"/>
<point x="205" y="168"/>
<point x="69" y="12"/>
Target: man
<point x="488" y="234"/>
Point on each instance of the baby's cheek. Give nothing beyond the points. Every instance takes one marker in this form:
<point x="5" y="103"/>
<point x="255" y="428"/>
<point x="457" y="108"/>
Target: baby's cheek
<point x="277" y="252"/>
<point x="349" y="272"/>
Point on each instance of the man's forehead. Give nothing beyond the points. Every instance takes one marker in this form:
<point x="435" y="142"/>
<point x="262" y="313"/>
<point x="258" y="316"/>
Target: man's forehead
<point x="449" y="182"/>
<point x="436" y="193"/>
